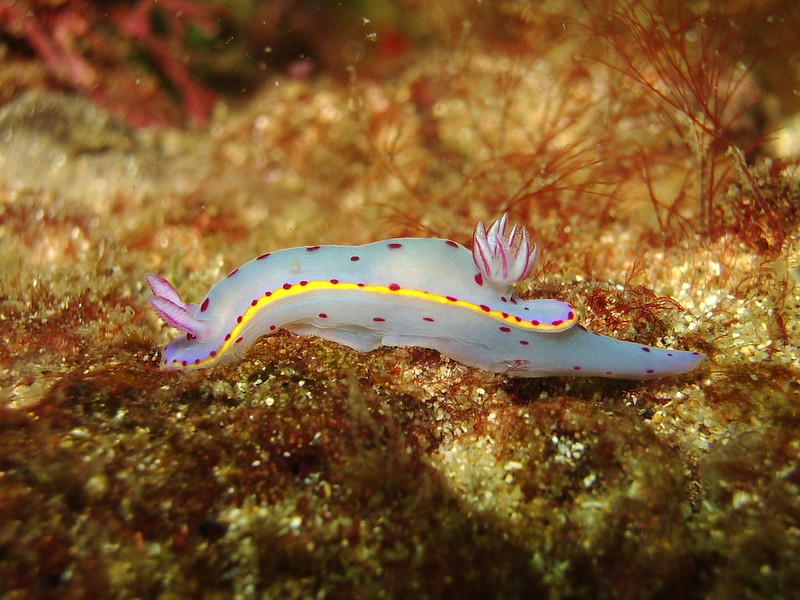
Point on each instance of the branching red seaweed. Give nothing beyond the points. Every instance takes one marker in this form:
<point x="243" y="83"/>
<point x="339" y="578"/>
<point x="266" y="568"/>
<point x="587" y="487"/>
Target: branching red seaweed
<point x="89" y="47"/>
<point x="698" y="72"/>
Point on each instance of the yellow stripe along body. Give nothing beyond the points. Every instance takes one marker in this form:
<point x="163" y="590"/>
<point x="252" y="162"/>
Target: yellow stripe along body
<point x="313" y="286"/>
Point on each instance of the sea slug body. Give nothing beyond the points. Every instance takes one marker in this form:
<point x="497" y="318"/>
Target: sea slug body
<point x="432" y="293"/>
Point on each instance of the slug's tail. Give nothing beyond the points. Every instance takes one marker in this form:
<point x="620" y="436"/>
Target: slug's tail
<point x="169" y="305"/>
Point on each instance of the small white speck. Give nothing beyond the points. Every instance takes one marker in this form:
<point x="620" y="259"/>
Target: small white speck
<point x="741" y="499"/>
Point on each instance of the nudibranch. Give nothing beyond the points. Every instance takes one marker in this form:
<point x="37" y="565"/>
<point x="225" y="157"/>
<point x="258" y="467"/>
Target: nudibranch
<point x="431" y="293"/>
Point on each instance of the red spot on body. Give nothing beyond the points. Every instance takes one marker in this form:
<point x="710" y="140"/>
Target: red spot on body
<point x="479" y="279"/>
<point x="334" y="281"/>
<point x="512" y="301"/>
<point x="503" y="299"/>
<point x="254" y="302"/>
<point x="212" y="353"/>
<point x="570" y="316"/>
<point x="323" y="316"/>
<point x="272" y="328"/>
<point x="190" y="336"/>
<point x="232" y="273"/>
<point x="303" y="282"/>
<point x="239" y="319"/>
<point x="451" y="243"/>
<point x="609" y="373"/>
<point x="485" y="308"/>
<point x="378" y="319"/>
<point x="428" y="319"/>
<point x="238" y="340"/>
<point x="355" y="258"/>
<point x="645" y="349"/>
<point x="576" y="368"/>
<point x="227" y="337"/>
<point x="263" y="256"/>
<point x="650" y="371"/>
<point x="184" y="363"/>
<point x="451" y="299"/>
<point x="287" y="286"/>
<point x="524" y="342"/>
<point x="197" y="361"/>
<point x="505" y="329"/>
<point x="394" y="246"/>
<point x="394" y="287"/>
<point x="670" y="354"/>
<point x="535" y="322"/>
<point x="556" y="323"/>
<point x="361" y="284"/>
<point x="312" y="248"/>
<point x="204" y="305"/>
<point x="518" y="319"/>
<point x="505" y="315"/>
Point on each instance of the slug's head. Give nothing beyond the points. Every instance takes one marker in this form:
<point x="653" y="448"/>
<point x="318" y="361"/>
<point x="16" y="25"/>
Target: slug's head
<point x="191" y="348"/>
<point x="503" y="258"/>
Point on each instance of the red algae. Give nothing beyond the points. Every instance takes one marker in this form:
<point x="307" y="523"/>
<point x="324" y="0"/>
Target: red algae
<point x="307" y="469"/>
